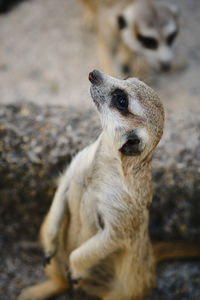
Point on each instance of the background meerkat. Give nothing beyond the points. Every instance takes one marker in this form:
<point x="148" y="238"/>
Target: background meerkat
<point x="133" y="34"/>
<point x="96" y="231"/>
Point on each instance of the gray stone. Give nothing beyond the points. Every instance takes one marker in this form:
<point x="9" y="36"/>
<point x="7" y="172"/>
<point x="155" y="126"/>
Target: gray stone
<point x="37" y="143"/>
<point x="175" y="211"/>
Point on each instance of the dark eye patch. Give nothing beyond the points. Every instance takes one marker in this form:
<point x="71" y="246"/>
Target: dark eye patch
<point x="171" y="37"/>
<point x="148" y="42"/>
<point x="119" y="100"/>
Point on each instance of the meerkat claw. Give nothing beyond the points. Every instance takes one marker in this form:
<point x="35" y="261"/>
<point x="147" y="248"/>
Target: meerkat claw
<point x="47" y="260"/>
<point x="72" y="281"/>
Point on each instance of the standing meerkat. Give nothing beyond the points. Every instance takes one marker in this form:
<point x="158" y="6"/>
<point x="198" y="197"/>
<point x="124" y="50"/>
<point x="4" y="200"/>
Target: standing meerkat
<point x="96" y="231"/>
<point x="134" y="35"/>
<point x="97" y="226"/>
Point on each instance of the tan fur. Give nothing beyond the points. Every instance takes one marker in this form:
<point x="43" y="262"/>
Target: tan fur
<point x="119" y="54"/>
<point x="97" y="226"/>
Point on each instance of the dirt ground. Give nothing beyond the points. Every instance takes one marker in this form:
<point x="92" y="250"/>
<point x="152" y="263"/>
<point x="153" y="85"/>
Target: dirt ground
<point x="46" y="53"/>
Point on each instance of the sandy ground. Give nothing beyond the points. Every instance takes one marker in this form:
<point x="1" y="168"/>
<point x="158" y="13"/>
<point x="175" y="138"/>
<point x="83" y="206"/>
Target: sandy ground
<point x="46" y="53"/>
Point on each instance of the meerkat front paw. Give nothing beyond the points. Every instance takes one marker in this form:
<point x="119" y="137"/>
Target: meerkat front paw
<point x="71" y="280"/>
<point x="77" y="271"/>
<point x="50" y="249"/>
<point x="47" y="260"/>
<point x="48" y="239"/>
<point x="49" y="243"/>
<point x="77" y="274"/>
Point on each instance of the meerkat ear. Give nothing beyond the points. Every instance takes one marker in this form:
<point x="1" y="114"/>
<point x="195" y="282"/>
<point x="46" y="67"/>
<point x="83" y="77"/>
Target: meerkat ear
<point x="133" y="145"/>
<point x="121" y="22"/>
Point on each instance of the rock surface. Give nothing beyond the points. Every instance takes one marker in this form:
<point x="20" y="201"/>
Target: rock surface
<point x="37" y="143"/>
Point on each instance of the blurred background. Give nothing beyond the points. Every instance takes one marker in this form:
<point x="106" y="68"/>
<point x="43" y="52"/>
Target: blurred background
<point x="46" y="53"/>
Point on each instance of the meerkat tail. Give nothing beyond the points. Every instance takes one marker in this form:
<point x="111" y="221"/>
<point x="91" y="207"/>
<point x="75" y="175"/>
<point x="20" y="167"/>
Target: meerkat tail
<point x="175" y="250"/>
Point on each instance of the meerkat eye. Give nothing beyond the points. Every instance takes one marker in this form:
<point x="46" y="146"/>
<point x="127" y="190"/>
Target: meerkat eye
<point x="148" y="42"/>
<point x="171" y="37"/>
<point x="120" y="100"/>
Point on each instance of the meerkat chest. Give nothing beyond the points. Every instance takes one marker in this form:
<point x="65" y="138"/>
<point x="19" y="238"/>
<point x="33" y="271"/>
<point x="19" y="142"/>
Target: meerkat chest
<point x="107" y="200"/>
<point x="102" y="192"/>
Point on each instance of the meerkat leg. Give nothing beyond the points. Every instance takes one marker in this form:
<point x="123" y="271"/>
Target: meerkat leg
<point x="118" y="296"/>
<point x="51" y="225"/>
<point x="55" y="285"/>
<point x="113" y="296"/>
<point x="129" y="63"/>
<point x="42" y="291"/>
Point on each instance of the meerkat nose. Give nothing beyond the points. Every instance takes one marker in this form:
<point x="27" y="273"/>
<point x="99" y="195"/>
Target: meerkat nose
<point x="165" y="66"/>
<point x="95" y="77"/>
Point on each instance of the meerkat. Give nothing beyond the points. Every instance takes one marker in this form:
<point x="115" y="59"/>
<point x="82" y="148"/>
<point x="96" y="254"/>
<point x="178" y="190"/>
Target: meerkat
<point x="134" y="35"/>
<point x="97" y="226"/>
<point x="95" y="235"/>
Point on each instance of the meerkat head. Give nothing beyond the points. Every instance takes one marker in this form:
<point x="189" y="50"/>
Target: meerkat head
<point x="131" y="113"/>
<point x="149" y="28"/>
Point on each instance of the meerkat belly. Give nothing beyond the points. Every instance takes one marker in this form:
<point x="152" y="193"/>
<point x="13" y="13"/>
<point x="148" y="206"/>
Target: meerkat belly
<point x="77" y="232"/>
<point x="130" y="269"/>
<point x="101" y="276"/>
<point x="83" y="219"/>
<point x="130" y="272"/>
<point x="135" y="269"/>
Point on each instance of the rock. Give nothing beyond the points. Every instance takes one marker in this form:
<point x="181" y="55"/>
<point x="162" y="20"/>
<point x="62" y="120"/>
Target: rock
<point x="37" y="143"/>
<point x="177" y="280"/>
<point x="175" y="211"/>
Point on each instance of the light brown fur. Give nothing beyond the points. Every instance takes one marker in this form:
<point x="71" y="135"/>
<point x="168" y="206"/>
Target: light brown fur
<point x="97" y="226"/>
